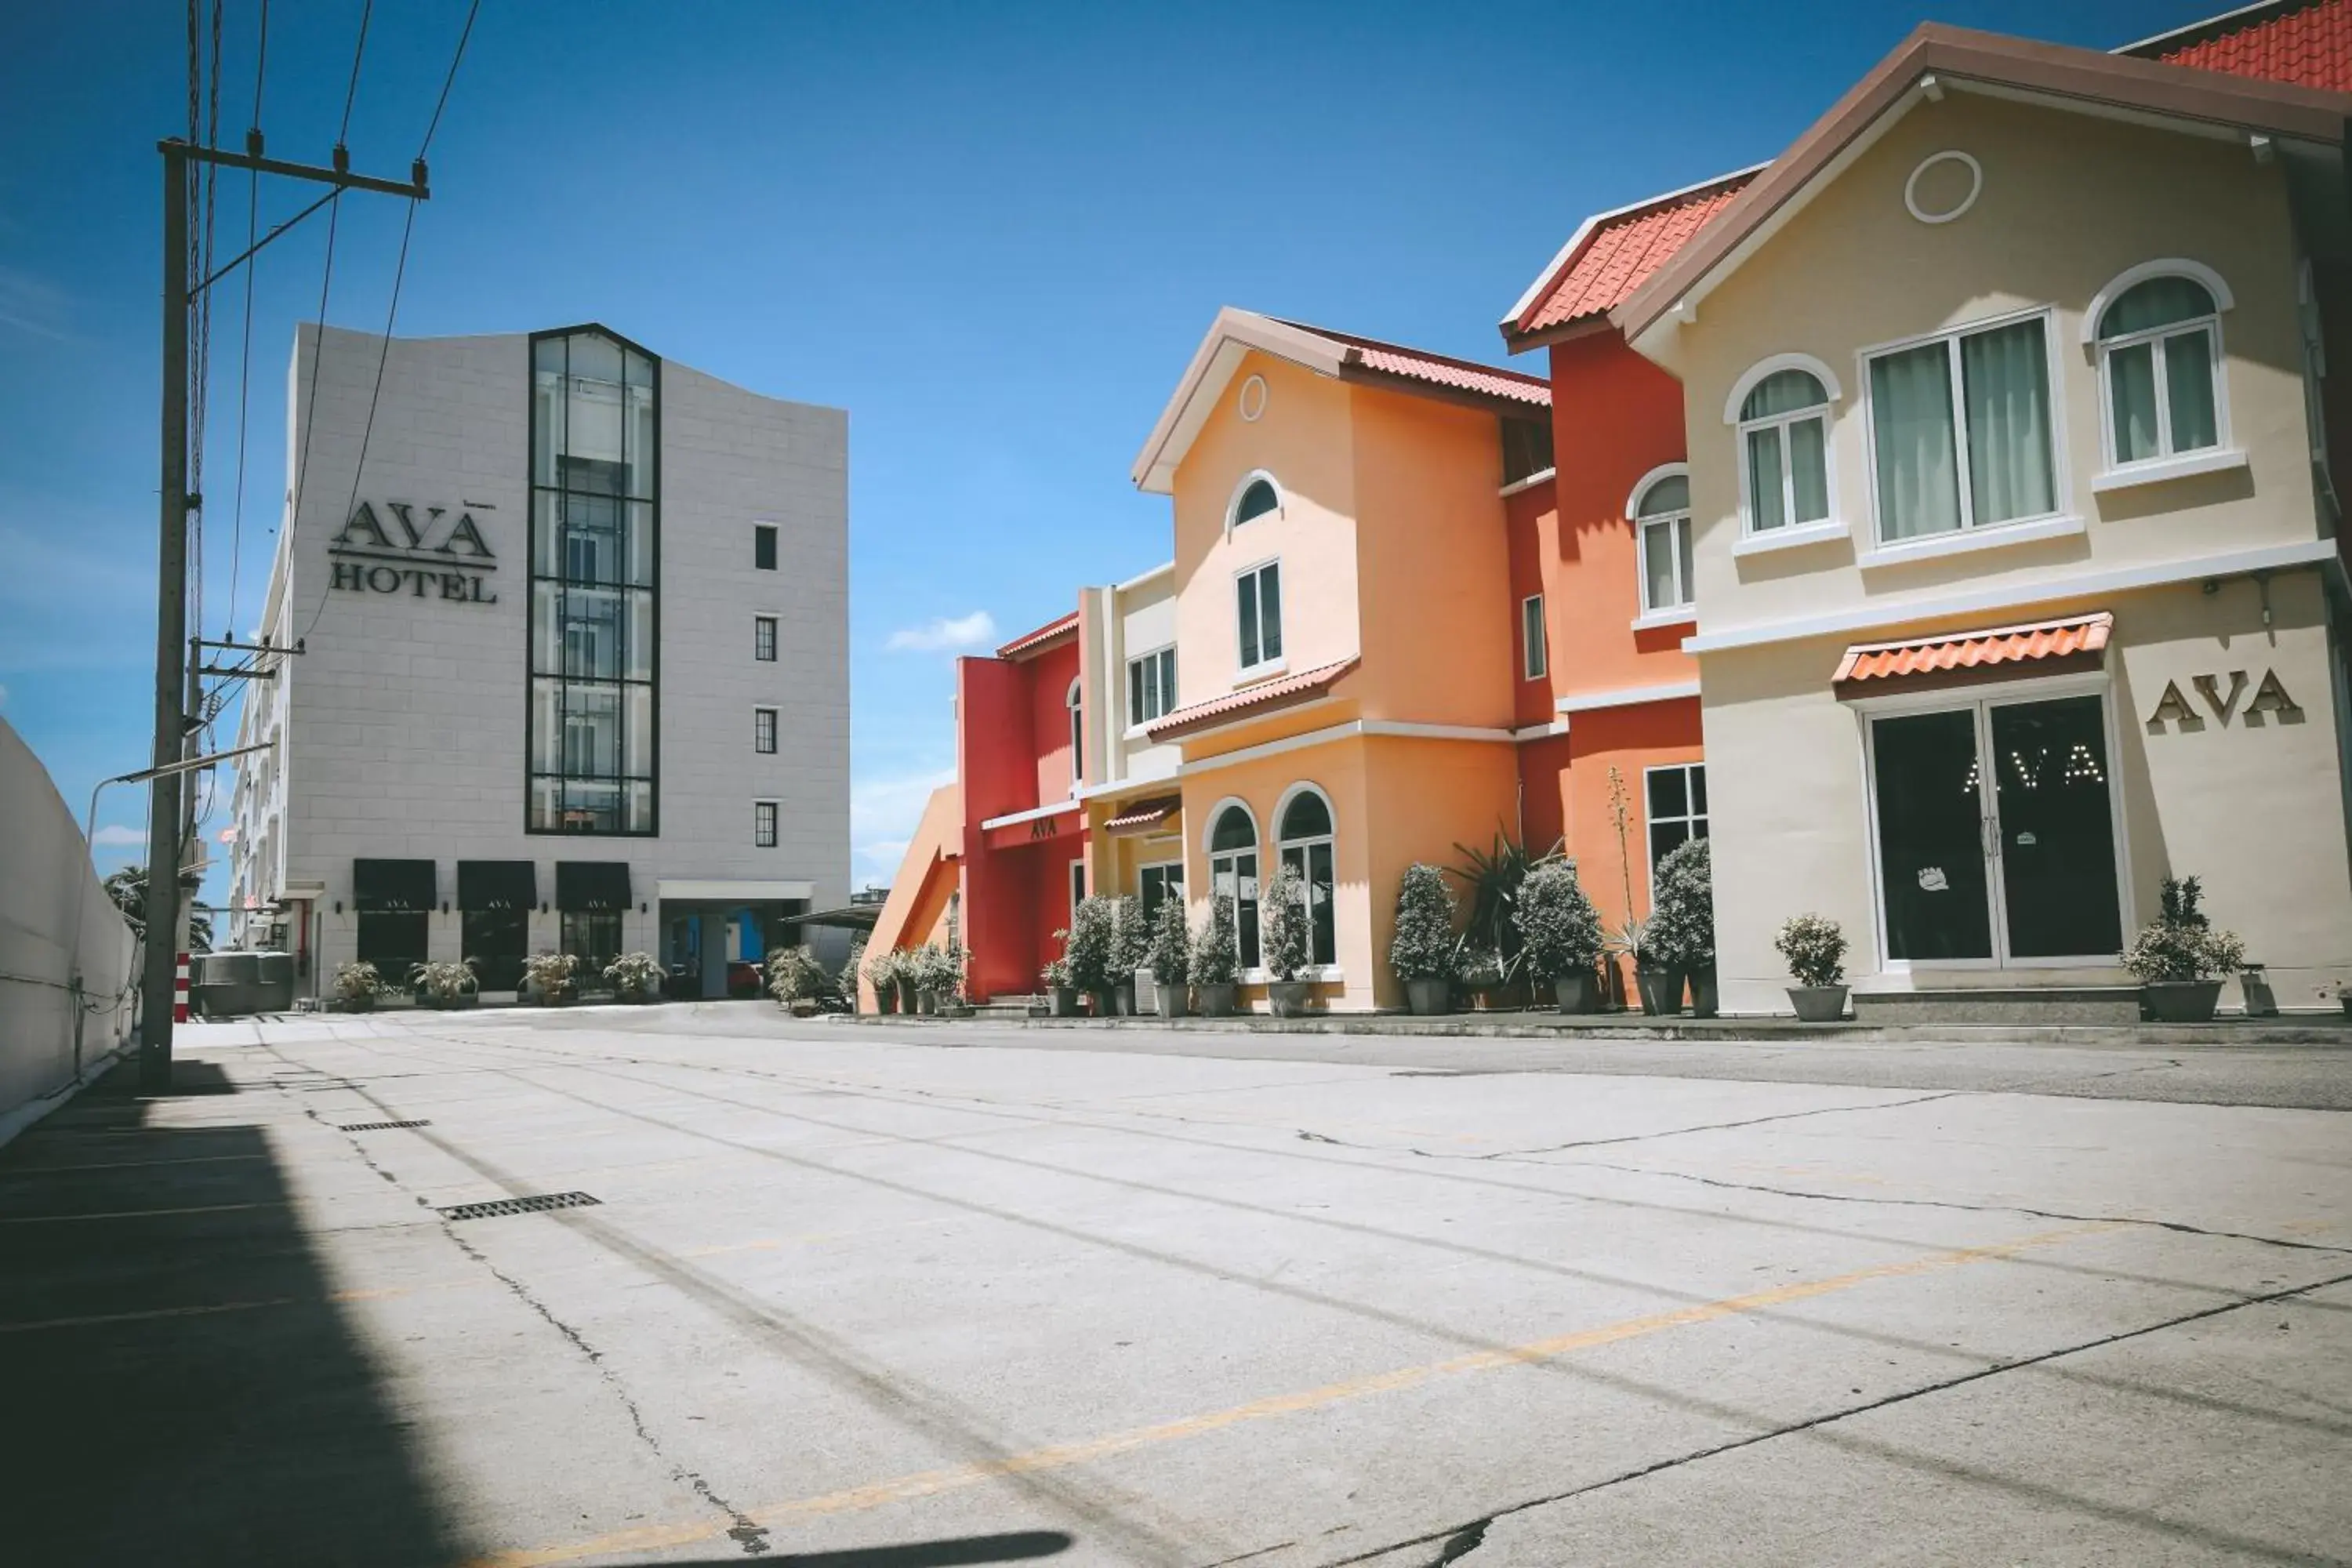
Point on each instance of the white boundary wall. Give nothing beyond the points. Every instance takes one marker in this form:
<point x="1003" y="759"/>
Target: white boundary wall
<point x="42" y="862"/>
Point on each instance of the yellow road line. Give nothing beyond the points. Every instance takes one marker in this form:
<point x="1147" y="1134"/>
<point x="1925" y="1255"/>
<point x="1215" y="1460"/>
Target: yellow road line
<point x="1060" y="1455"/>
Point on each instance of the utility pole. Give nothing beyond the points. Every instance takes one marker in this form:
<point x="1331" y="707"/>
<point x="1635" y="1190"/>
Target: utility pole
<point x="175" y="709"/>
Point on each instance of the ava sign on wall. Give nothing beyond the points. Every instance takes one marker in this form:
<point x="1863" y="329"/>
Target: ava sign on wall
<point x="424" y="554"/>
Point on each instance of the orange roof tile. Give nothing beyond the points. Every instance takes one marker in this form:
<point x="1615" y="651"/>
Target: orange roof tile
<point x="1050" y="633"/>
<point x="1437" y="370"/>
<point x="2305" y="42"/>
<point x="1148" y="813"/>
<point x="1613" y="253"/>
<point x="1975" y="650"/>
<point x="1249" y="699"/>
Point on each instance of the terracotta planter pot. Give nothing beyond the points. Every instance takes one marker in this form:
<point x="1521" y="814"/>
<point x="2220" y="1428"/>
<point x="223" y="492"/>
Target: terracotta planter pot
<point x="1576" y="992"/>
<point x="1429" y="998"/>
<point x="1818" y="1004"/>
<point x="2180" y="1001"/>
<point x="1217" y="1001"/>
<point x="1291" y="998"/>
<point x="1662" y="990"/>
<point x="1065" y="1002"/>
<point x="1172" y="1001"/>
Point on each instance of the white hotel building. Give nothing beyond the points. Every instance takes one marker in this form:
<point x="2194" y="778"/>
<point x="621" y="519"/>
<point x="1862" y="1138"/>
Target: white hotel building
<point x="573" y="665"/>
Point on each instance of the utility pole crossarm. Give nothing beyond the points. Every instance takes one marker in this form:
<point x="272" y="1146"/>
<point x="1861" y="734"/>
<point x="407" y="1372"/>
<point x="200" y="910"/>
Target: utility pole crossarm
<point x="414" y="187"/>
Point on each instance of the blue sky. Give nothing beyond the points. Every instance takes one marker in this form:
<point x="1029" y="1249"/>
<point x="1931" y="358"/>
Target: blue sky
<point x="993" y="233"/>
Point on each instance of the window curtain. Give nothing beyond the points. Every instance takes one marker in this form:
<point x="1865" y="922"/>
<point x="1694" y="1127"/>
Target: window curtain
<point x="1911" y="429"/>
<point x="1764" y="509"/>
<point x="2131" y="390"/>
<point x="2005" y="375"/>
<point x="1809" y="469"/>
<point x="2189" y="389"/>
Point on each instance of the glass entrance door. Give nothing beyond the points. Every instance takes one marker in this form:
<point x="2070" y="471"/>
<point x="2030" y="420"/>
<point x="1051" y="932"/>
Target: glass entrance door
<point x="2025" y="870"/>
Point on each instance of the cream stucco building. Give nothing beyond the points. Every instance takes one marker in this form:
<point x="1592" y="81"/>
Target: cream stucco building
<point x="2014" y="529"/>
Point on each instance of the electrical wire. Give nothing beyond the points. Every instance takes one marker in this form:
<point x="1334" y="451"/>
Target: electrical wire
<point x="455" y="60"/>
<point x="245" y="354"/>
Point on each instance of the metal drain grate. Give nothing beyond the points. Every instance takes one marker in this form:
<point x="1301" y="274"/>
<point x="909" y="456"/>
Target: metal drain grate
<point x="383" y="1126"/>
<point x="503" y="1206"/>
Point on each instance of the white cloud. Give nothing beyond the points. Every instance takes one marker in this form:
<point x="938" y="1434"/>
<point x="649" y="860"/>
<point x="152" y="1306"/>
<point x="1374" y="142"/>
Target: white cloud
<point x="118" y="833"/>
<point x="883" y="813"/>
<point x="940" y="635"/>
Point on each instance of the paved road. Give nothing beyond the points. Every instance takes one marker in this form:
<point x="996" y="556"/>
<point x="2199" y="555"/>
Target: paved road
<point x="880" y="1298"/>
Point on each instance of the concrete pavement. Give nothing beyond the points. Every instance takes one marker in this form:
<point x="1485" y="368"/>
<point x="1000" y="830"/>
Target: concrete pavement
<point x="863" y="1296"/>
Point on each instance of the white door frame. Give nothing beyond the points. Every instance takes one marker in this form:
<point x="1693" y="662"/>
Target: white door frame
<point x="1980" y="700"/>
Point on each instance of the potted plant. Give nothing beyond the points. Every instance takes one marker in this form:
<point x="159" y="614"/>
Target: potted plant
<point x="1494" y="877"/>
<point x="1091" y="952"/>
<point x="548" y="976"/>
<point x="1130" y="955"/>
<point x="1285" y="939"/>
<point x="1681" y="923"/>
<point x="1422" y="951"/>
<point x="1661" y="988"/>
<point x="947" y="980"/>
<point x="1814" y="950"/>
<point x="357" y="986"/>
<point x="635" y="977"/>
<point x="1058" y="989"/>
<point x="845" y="983"/>
<point x="443" y="985"/>
<point x="881" y="972"/>
<point x="1561" y="933"/>
<point x="2180" y="959"/>
<point x="1170" y="958"/>
<point x="1216" y="959"/>
<point x="1483" y="975"/>
<point x="923" y="969"/>
<point x="906" y="978"/>
<point x="797" y="980"/>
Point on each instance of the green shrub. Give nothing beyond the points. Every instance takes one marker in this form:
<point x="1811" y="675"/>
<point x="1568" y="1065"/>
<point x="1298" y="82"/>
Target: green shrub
<point x="2180" y="943"/>
<point x="1814" y="949"/>
<point x="1424" y="946"/>
<point x="795" y="976"/>
<point x="1092" y="949"/>
<point x="1171" y="955"/>
<point x="1130" y="939"/>
<point x="1558" y="927"/>
<point x="443" y="981"/>
<point x="1682" y="916"/>
<point x="1283" y="928"/>
<point x="1216" y="955"/>
<point x="634" y="973"/>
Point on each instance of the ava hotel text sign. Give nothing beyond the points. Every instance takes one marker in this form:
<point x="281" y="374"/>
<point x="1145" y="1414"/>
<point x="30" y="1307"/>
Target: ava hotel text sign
<point x="427" y="556"/>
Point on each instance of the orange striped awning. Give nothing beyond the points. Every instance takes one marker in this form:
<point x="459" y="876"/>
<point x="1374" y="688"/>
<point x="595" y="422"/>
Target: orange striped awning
<point x="2078" y="639"/>
<point x="1145" y="814"/>
<point x="1250" y="700"/>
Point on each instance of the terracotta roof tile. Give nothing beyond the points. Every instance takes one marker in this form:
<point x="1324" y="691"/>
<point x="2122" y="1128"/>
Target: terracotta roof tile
<point x="1145" y="813"/>
<point x="1437" y="370"/>
<point x="2309" y="45"/>
<point x="1249" y="699"/>
<point x="1050" y="632"/>
<point x="1620" y="252"/>
<point x="1975" y="650"/>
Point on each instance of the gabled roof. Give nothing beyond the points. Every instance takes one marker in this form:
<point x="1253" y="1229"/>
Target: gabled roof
<point x="2307" y="42"/>
<point x="1957" y="58"/>
<point x="1341" y="356"/>
<point x="1041" y="640"/>
<point x="1610" y="255"/>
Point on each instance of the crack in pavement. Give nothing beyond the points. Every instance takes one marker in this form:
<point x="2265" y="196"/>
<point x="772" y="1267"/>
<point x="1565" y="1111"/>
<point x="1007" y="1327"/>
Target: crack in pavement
<point x="2180" y="1226"/>
<point x="1706" y="1127"/>
<point x="1451" y="1533"/>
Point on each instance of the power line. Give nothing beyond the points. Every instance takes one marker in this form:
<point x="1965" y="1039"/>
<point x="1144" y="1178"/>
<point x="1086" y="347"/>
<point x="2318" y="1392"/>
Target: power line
<point x="245" y="354"/>
<point x="434" y="124"/>
<point x="351" y="94"/>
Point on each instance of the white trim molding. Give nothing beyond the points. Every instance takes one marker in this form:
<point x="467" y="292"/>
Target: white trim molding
<point x="1541" y="731"/>
<point x="1672" y="616"/>
<point x="1540" y="477"/>
<point x="1406" y="730"/>
<point x="1663" y="471"/>
<point x="722" y="890"/>
<point x="1215" y="814"/>
<point x="1773" y="366"/>
<point x="2319" y="553"/>
<point x="1627" y="696"/>
<point x="2168" y="266"/>
<point x="2156" y="471"/>
<point x="1961" y="540"/>
<point x="1773" y="538"/>
<point x="1036" y="812"/>
<point x="1233" y="501"/>
<point x="1351" y="730"/>
<point x="1934" y="90"/>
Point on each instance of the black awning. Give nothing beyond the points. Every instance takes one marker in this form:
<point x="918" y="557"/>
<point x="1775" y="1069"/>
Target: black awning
<point x="388" y="886"/>
<point x="497" y="885"/>
<point x="592" y="886"/>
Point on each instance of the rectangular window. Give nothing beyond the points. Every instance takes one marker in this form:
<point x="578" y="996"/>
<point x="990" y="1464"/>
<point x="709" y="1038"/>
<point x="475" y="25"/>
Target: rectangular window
<point x="1961" y="431"/>
<point x="1677" y="799"/>
<point x="1151" y="686"/>
<point x="763" y="546"/>
<point x="763" y="638"/>
<point x="1158" y="884"/>
<point x="763" y="730"/>
<point x="593" y="937"/>
<point x="1077" y="884"/>
<point x="1526" y="448"/>
<point x="763" y="825"/>
<point x="1534" y="658"/>
<point x="1258" y="610"/>
<point x="593" y="720"/>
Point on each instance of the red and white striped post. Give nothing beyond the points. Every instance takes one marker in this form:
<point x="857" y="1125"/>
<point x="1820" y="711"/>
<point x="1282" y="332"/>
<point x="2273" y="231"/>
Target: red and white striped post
<point x="179" y="989"/>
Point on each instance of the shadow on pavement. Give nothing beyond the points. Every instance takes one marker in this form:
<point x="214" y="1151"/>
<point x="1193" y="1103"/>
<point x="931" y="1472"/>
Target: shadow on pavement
<point x="182" y="1390"/>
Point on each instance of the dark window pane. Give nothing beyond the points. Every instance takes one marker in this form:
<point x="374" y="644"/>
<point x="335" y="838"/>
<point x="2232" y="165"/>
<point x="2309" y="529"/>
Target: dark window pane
<point x="1307" y="816"/>
<point x="1245" y="610"/>
<point x="1257" y="502"/>
<point x="1931" y="852"/>
<point x="763" y="548"/>
<point x="1233" y="831"/>
<point x="2057" y="830"/>
<point x="1669" y="792"/>
<point x="1699" y="790"/>
<point x="1269" y="610"/>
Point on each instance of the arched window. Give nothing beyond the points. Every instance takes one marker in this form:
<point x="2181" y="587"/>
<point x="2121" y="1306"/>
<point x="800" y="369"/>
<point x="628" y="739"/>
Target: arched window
<point x="1784" y="425"/>
<point x="1256" y="497"/>
<point x="1233" y="871"/>
<point x="1078" y="736"/>
<point x="1304" y="831"/>
<point x="1661" y="520"/>
<point x="2161" y="366"/>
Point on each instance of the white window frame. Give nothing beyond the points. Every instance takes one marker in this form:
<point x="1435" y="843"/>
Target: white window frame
<point x="2168" y="460"/>
<point x="1264" y="665"/>
<point x="772" y="736"/>
<point x="2060" y="487"/>
<point x="1077" y="883"/>
<point x="1689" y="816"/>
<point x="1535" y="650"/>
<point x="1233" y="501"/>
<point x="1282" y="849"/>
<point x="768" y="818"/>
<point x="1257" y="851"/>
<point x="775" y="633"/>
<point x="1686" y="608"/>
<point x="1167" y="869"/>
<point x="1826" y="411"/>
<point x="1162" y="663"/>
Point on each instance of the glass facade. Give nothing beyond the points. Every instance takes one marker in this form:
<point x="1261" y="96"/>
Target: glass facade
<point x="596" y="529"/>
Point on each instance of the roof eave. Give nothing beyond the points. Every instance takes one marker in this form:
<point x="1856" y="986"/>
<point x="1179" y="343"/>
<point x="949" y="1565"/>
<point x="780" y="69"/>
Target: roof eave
<point x="1203" y="379"/>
